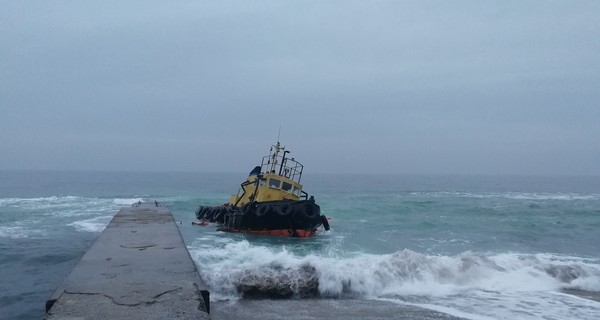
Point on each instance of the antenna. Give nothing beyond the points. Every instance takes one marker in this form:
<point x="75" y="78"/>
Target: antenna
<point x="278" y="133"/>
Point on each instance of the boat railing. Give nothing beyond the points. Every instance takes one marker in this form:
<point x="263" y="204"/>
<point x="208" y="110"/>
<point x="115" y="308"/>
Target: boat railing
<point x="283" y="166"/>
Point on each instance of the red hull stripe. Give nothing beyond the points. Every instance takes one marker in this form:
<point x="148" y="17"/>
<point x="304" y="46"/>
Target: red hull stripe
<point x="280" y="232"/>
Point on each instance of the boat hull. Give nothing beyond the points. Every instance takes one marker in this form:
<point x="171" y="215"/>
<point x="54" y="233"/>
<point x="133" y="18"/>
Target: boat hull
<point x="299" y="218"/>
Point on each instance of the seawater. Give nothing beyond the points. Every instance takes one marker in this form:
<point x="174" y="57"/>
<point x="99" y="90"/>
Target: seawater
<point x="477" y="247"/>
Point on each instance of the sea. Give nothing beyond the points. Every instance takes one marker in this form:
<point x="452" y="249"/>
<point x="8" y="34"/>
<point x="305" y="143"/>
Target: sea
<point x="465" y="246"/>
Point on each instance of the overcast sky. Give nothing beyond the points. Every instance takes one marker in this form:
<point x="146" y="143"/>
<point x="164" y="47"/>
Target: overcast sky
<point x="482" y="87"/>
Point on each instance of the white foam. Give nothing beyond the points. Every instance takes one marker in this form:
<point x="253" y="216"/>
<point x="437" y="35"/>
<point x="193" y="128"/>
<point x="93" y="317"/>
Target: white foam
<point x="550" y="196"/>
<point x="409" y="273"/>
<point x="402" y="273"/>
<point x="96" y="224"/>
<point x="127" y="202"/>
<point x="82" y="213"/>
<point x="17" y="232"/>
<point x="591" y="283"/>
<point x="442" y="309"/>
<point x="39" y="203"/>
<point x="78" y="211"/>
<point x="222" y="267"/>
<point x="521" y="305"/>
<point x="511" y="195"/>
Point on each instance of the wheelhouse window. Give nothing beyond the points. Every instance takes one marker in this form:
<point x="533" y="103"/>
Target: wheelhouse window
<point x="274" y="183"/>
<point x="297" y="191"/>
<point x="286" y="186"/>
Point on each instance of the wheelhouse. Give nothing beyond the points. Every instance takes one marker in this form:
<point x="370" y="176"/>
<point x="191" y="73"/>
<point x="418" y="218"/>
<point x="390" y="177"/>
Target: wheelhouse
<point x="277" y="178"/>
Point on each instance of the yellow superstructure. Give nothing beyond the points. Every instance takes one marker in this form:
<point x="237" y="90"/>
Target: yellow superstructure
<point x="277" y="178"/>
<point x="271" y="187"/>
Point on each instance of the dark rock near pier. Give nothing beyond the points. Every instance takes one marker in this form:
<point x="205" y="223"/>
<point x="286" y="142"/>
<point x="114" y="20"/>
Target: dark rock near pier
<point x="276" y="282"/>
<point x="565" y="274"/>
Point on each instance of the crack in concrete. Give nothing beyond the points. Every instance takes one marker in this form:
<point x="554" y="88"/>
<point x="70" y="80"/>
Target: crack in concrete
<point x="168" y="291"/>
<point x="138" y="247"/>
<point x="113" y="300"/>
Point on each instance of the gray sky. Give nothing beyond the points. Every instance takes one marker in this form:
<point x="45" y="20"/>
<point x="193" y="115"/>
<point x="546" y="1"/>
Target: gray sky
<point x="493" y="87"/>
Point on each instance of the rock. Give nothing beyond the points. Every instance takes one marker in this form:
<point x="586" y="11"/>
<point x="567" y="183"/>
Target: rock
<point x="274" y="281"/>
<point x="564" y="273"/>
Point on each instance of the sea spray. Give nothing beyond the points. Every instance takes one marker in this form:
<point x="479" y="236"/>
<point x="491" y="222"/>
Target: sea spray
<point x="234" y="269"/>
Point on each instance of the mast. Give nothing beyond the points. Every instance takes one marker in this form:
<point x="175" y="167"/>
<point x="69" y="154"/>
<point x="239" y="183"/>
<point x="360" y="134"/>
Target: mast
<point x="274" y="156"/>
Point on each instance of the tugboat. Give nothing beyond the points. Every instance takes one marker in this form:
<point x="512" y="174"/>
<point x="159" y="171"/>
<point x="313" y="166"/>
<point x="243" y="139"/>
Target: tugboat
<point x="270" y="202"/>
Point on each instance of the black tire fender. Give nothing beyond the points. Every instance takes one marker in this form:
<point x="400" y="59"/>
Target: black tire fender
<point x="210" y="215"/>
<point x="219" y="211"/>
<point x="262" y="210"/>
<point x="309" y="211"/>
<point x="285" y="209"/>
<point x="205" y="211"/>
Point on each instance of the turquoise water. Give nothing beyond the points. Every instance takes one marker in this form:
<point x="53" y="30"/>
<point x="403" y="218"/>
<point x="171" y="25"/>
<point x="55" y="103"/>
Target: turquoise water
<point x="482" y="247"/>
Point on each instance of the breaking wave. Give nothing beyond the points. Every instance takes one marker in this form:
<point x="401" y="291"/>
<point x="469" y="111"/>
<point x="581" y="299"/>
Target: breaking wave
<point x="241" y="268"/>
<point x="96" y="224"/>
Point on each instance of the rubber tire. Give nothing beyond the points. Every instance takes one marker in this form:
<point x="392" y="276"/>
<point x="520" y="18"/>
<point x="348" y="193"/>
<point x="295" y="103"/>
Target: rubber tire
<point x="309" y="211"/>
<point x="285" y="209"/>
<point x="219" y="212"/>
<point x="262" y="210"/>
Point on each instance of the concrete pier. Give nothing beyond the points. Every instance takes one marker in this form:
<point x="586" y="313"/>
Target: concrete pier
<point x="138" y="268"/>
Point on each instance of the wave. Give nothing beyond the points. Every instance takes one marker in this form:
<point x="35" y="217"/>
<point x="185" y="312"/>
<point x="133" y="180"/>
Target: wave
<point x="42" y="202"/>
<point x="126" y="201"/>
<point x="511" y="195"/>
<point x="39" y="201"/>
<point x="240" y="268"/>
<point x="96" y="224"/>
<point x="40" y="217"/>
<point x="18" y="232"/>
<point x="488" y="305"/>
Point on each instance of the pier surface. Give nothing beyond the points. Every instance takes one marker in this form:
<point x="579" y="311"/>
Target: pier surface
<point x="138" y="268"/>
